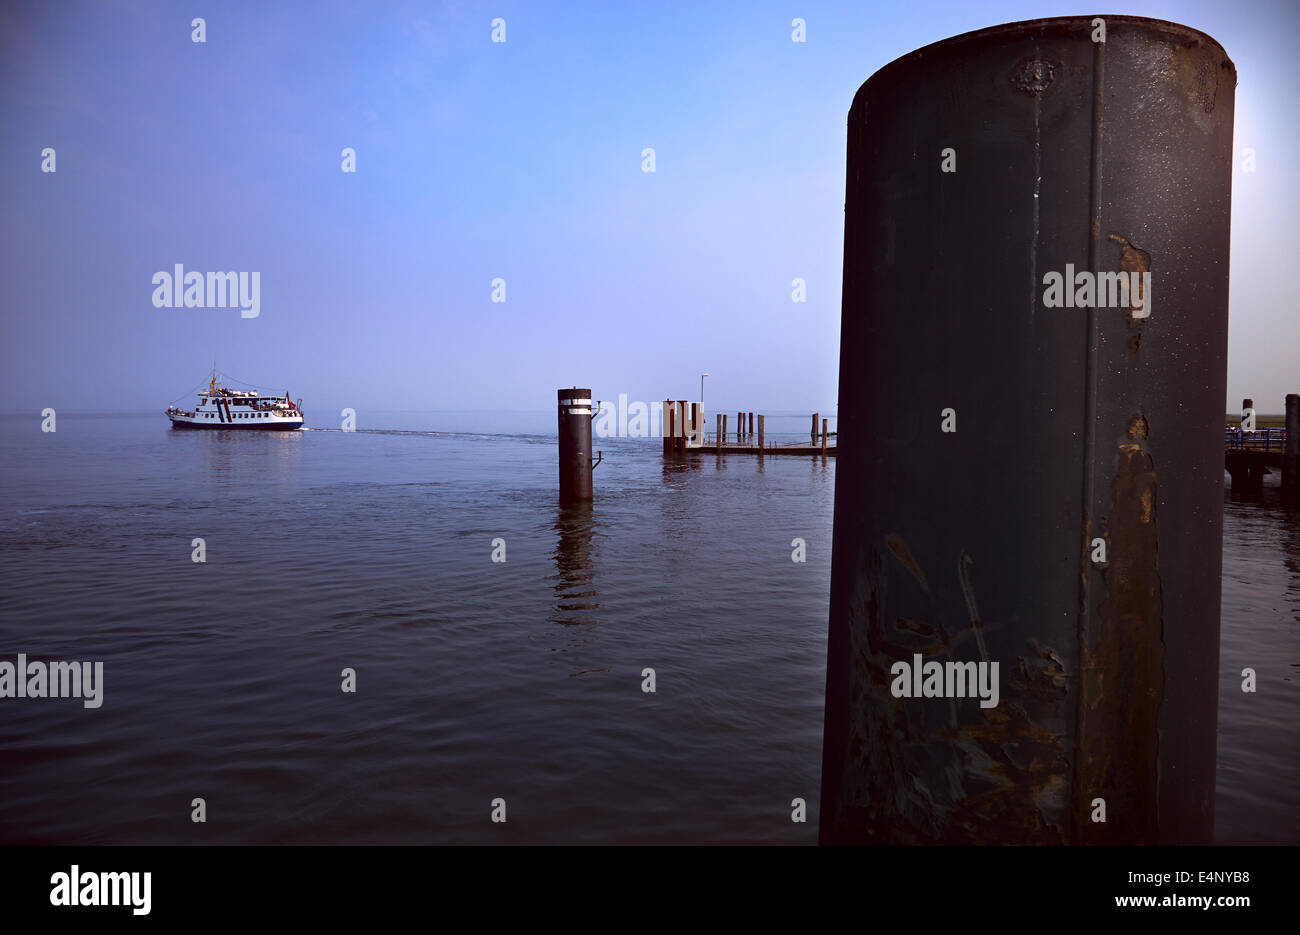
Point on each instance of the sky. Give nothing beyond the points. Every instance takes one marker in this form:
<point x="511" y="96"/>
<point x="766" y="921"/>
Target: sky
<point x="520" y="160"/>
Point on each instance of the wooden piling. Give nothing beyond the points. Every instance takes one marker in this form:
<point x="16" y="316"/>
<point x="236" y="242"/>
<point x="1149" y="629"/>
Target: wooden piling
<point x="814" y="427"/>
<point x="760" y="433"/>
<point x="824" y="421"/>
<point x="722" y="436"/>
<point x="665" y="428"/>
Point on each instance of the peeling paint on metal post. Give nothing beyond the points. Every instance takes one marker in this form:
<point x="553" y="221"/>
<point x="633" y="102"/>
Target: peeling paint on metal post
<point x="1070" y="527"/>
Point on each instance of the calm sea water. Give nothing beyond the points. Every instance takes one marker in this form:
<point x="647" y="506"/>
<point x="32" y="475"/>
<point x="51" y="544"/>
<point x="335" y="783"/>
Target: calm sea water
<point x="476" y="680"/>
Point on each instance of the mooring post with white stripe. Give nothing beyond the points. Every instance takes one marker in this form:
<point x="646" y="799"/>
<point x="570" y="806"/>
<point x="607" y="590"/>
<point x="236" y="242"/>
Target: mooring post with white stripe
<point x="575" y="444"/>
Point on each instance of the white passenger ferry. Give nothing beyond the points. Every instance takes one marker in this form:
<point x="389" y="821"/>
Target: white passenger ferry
<point x="222" y="408"/>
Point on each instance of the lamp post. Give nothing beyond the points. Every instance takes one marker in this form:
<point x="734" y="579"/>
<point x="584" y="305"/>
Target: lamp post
<point x="702" y="429"/>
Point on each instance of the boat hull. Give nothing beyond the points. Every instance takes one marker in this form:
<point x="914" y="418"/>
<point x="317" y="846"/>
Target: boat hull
<point x="286" y="426"/>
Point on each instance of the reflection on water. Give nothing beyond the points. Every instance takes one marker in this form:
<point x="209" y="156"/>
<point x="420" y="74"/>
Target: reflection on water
<point x="1258" y="799"/>
<point x="682" y="503"/>
<point x="675" y="472"/>
<point x="575" y="580"/>
<point x="232" y="454"/>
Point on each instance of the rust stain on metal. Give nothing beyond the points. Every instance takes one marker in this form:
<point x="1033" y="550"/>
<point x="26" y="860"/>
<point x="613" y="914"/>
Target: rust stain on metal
<point x="1148" y="507"/>
<point x="1015" y="772"/>
<point x="1123" y="665"/>
<point x="1048" y="682"/>
<point x="1133" y="259"/>
<point x="901" y="552"/>
<point x="1033" y="75"/>
<point x="920" y="628"/>
<point x="929" y="771"/>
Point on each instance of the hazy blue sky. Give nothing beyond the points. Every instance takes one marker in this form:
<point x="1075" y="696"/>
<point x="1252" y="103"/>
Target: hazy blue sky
<point x="519" y="160"/>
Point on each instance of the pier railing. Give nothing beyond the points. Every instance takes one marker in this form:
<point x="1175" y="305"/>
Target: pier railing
<point x="1265" y="440"/>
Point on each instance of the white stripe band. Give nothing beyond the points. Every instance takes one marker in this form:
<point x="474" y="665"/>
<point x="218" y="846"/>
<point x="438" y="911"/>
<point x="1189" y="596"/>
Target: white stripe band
<point x="579" y="412"/>
<point x="575" y="402"/>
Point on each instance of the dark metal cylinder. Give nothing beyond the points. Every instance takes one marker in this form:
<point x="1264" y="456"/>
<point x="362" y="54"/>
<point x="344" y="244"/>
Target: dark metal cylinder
<point x="1024" y="482"/>
<point x="1291" y="453"/>
<point x="575" y="444"/>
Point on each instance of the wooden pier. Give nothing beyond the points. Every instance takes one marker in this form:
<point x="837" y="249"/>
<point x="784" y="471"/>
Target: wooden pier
<point x="771" y="448"/>
<point x="684" y="433"/>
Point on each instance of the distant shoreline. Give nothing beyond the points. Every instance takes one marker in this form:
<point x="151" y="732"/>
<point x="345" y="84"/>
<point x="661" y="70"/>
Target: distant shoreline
<point x="1273" y="421"/>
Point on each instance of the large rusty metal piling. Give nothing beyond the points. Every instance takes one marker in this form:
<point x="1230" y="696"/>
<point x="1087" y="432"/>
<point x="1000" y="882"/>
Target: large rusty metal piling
<point x="1291" y="453"/>
<point x="1026" y="481"/>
